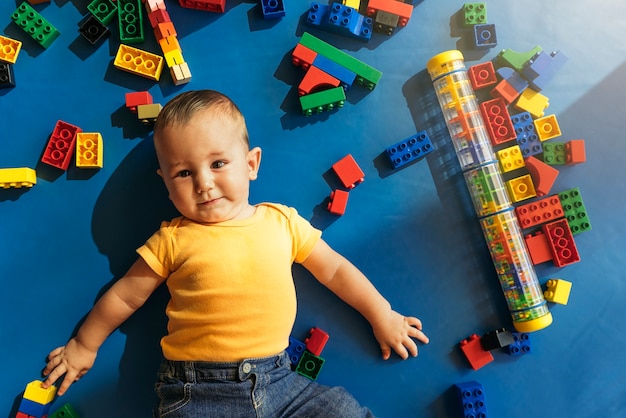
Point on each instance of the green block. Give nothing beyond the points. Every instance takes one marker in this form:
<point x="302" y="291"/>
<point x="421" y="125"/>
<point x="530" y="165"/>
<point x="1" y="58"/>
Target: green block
<point x="365" y="75"/>
<point x="66" y="411"/>
<point x="514" y="59"/>
<point x="574" y="211"/>
<point x="103" y="10"/>
<point x="130" y="21"/>
<point x="554" y="153"/>
<point x="322" y="101"/>
<point x="475" y="13"/>
<point x="310" y="365"/>
<point x="35" y="25"/>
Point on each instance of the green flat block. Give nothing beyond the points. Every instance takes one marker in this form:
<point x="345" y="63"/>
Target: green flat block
<point x="322" y="101"/>
<point x="366" y="75"/>
<point x="130" y="21"/>
<point x="103" y="10"/>
<point x="475" y="13"/>
<point x="574" y="210"/>
<point x="34" y="25"/>
<point x="516" y="60"/>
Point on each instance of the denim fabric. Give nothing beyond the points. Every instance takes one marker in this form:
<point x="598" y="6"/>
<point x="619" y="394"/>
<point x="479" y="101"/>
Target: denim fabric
<point x="265" y="387"/>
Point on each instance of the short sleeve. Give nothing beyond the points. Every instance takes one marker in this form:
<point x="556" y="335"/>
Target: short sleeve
<point x="157" y="252"/>
<point x="304" y="234"/>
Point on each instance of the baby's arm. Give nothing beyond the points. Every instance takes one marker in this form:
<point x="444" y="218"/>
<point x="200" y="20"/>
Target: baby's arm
<point x="126" y="296"/>
<point x="391" y="329"/>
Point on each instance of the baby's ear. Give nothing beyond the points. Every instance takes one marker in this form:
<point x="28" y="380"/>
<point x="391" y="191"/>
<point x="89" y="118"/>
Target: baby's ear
<point x="254" y="162"/>
<point x="159" y="172"/>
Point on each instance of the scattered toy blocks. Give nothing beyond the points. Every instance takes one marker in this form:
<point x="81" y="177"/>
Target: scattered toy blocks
<point x="60" y="148"/>
<point x="316" y="341"/>
<point x="303" y="56"/>
<point x="532" y="102"/>
<point x="139" y="62"/>
<point x="510" y="158"/>
<point x="471" y="397"/>
<point x="539" y="212"/>
<point x="547" y="128"/>
<point x="340" y="19"/>
<point x="474" y="352"/>
<point x="557" y="291"/>
<point x="349" y="172"/>
<point x="561" y="242"/>
<point x="310" y="365"/>
<point x="272" y="9"/>
<point x="520" y="346"/>
<point x="385" y="22"/>
<point x="9" y="49"/>
<point x="521" y="188"/>
<point x="410" y="149"/>
<point x="35" y="25"/>
<point x="496" y="339"/>
<point x="497" y="121"/>
<point x="17" y="177"/>
<point x="338" y="202"/>
<point x="323" y="101"/>
<point x="482" y="75"/>
<point x="575" y="211"/>
<point x="474" y="13"/>
<point x="485" y="36"/>
<point x="542" y="174"/>
<point x="89" y="151"/>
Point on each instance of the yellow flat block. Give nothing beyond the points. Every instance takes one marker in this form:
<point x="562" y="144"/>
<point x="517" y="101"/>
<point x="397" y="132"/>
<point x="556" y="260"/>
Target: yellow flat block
<point x="17" y="177"/>
<point x="137" y="61"/>
<point x="89" y="151"/>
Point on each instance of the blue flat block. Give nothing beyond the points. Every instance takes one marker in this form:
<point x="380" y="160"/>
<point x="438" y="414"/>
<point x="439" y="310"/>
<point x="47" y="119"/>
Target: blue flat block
<point x="34" y="409"/>
<point x="410" y="149"/>
<point x="272" y="9"/>
<point x="541" y="68"/>
<point x="471" y="396"/>
<point x="527" y="138"/>
<point x="513" y="78"/>
<point x="485" y="36"/>
<point x="340" y="72"/>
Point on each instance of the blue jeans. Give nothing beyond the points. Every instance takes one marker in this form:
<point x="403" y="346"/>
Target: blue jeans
<point x="265" y="387"/>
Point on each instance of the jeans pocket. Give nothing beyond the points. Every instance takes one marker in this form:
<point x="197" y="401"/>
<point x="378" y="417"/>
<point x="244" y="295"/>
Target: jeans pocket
<point x="173" y="397"/>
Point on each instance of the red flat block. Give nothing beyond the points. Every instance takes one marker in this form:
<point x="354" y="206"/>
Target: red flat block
<point x="498" y="121"/>
<point x="474" y="352"/>
<point x="60" y="148"/>
<point x="303" y="56"/>
<point x="395" y="7"/>
<point x="338" y="202"/>
<point x="539" y="212"/>
<point x="136" y="98"/>
<point x="561" y="242"/>
<point x="349" y="172"/>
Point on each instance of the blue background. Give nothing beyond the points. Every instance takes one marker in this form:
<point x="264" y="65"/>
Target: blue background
<point x="412" y="231"/>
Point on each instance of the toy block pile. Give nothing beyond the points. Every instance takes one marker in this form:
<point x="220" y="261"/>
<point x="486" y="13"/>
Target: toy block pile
<point x="305" y="356"/>
<point x="67" y="138"/>
<point x="475" y="18"/>
<point x="478" y="350"/>
<point x="350" y="175"/>
<point x="36" y="401"/>
<point x="141" y="103"/>
<point x="330" y="72"/>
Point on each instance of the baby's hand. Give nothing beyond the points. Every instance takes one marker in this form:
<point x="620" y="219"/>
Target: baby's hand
<point x="397" y="331"/>
<point x="73" y="360"/>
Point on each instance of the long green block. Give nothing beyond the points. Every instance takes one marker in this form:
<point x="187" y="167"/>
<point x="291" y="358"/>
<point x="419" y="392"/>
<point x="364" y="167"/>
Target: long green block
<point x="322" y="101"/>
<point x="34" y="25"/>
<point x="365" y="75"/>
<point x="130" y="21"/>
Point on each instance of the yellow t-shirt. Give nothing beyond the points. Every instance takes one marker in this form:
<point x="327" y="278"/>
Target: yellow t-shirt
<point x="231" y="286"/>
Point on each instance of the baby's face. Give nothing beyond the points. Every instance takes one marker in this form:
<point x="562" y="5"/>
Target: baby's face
<point x="207" y="168"/>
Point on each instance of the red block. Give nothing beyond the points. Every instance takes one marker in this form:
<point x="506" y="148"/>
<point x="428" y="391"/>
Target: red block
<point x="217" y="6"/>
<point x="338" y="202"/>
<point x="303" y="56"/>
<point x="482" y="75"/>
<point x="506" y="91"/>
<point x="498" y="121"/>
<point x="60" y="148"/>
<point x="561" y="242"/>
<point x="136" y="98"/>
<point x="316" y="341"/>
<point x="394" y="7"/>
<point x="543" y="175"/>
<point x="538" y="248"/>
<point x="575" y="151"/>
<point x="316" y="80"/>
<point x="474" y="352"/>
<point x="349" y="172"/>
<point x="541" y="211"/>
<point x="159" y="16"/>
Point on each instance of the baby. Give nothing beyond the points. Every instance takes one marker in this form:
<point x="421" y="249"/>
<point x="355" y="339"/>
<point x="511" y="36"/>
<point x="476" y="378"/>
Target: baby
<point x="227" y="265"/>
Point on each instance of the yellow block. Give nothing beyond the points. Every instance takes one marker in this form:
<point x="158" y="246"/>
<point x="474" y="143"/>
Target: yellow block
<point x="17" y="177"/>
<point x="89" y="150"/>
<point x="547" y="127"/>
<point x="34" y="392"/>
<point x="558" y="291"/>
<point x="9" y="49"/>
<point x="137" y="61"/>
<point x="532" y="102"/>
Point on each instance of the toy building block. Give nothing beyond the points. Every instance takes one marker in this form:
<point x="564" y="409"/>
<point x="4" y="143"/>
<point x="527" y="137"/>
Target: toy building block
<point x="474" y="13"/>
<point x="557" y="291"/>
<point x="148" y="113"/>
<point x="554" y="153"/>
<point x="154" y="5"/>
<point x="547" y="127"/>
<point x="216" y="6"/>
<point x="527" y="139"/>
<point x="496" y="339"/>
<point x="103" y="10"/>
<point x="171" y="51"/>
<point x="355" y="4"/>
<point x="316" y="80"/>
<point x="180" y="73"/>
<point x="136" y="98"/>
<point x="520" y="346"/>
<point x="485" y="36"/>
<point x="532" y="102"/>
<point x="542" y="67"/>
<point x="310" y="365"/>
<point x="394" y="7"/>
<point x="158" y="16"/>
<point x="34" y="25"/>
<point x="130" y="21"/>
<point x="497" y="121"/>
<point x="514" y="59"/>
<point x="367" y="76"/>
<point x="561" y="242"/>
<point x="323" y="101"/>
<point x="60" y="148"/>
<point x="510" y="158"/>
<point x="575" y="151"/>
<point x="542" y="174"/>
<point x="93" y="30"/>
<point x="7" y="76"/>
<point x="521" y="188"/>
<point x="38" y="1"/>
<point x="409" y="149"/>
<point x="539" y="212"/>
<point x="139" y="62"/>
<point x="295" y="350"/>
<point x="474" y="352"/>
<point x="272" y="9"/>
<point x="575" y="211"/>
<point x="505" y="91"/>
<point x="66" y="411"/>
<point x="538" y="248"/>
<point x="36" y="400"/>
<point x="345" y="76"/>
<point x="482" y="75"/>
<point x="513" y="78"/>
<point x="471" y="396"/>
<point x="385" y="22"/>
<point x="163" y="30"/>
<point x="89" y="152"/>
<point x="303" y="56"/>
<point x="349" y="172"/>
<point x="340" y="19"/>
<point x="17" y="177"/>
<point x="338" y="202"/>
<point x="316" y="341"/>
<point x="9" y="49"/>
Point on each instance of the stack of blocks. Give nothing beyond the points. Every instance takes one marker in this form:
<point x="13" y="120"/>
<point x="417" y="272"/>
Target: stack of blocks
<point x="475" y="16"/>
<point x="141" y="103"/>
<point x="36" y="401"/>
<point x="477" y="349"/>
<point x="9" y="50"/>
<point x="350" y="175"/>
<point x="305" y="356"/>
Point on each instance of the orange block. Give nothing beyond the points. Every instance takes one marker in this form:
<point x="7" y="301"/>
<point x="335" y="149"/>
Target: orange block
<point x="542" y="174"/>
<point x="575" y="151"/>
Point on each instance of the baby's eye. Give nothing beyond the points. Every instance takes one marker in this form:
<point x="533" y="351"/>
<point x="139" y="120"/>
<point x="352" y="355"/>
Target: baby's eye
<point x="184" y="173"/>
<point x="218" y="164"/>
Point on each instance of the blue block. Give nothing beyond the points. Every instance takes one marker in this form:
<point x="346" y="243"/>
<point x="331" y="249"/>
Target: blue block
<point x="295" y="350"/>
<point x="316" y="14"/>
<point x="485" y="36"/>
<point x="340" y="19"/>
<point x="520" y="346"/>
<point x="513" y="78"/>
<point x="471" y="396"/>
<point x="527" y="138"/>
<point x="541" y="68"/>
<point x="341" y="73"/>
<point x="272" y="9"/>
<point x="34" y="409"/>
<point x="410" y="149"/>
